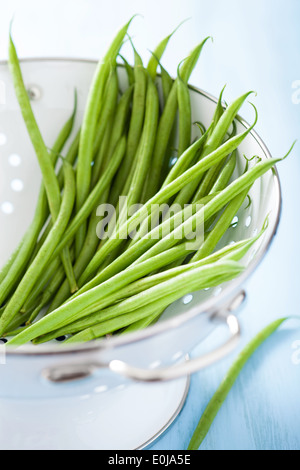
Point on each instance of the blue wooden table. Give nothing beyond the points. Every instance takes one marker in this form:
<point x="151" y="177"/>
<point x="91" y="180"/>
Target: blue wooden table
<point x="256" y="47"/>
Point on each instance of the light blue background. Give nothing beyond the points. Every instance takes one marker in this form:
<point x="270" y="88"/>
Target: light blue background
<point x="256" y="46"/>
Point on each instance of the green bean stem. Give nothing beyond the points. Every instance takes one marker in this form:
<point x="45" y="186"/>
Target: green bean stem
<point x="229" y="380"/>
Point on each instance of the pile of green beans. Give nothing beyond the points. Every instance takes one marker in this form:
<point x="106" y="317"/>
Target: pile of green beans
<point x="64" y="280"/>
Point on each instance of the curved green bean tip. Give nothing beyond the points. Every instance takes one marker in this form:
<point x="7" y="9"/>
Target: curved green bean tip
<point x="201" y="127"/>
<point x="132" y="45"/>
<point x="75" y="104"/>
<point x="222" y="92"/>
<point x="256" y="114"/>
<point x="290" y="151"/>
<point x="249" y="202"/>
<point x="265" y="224"/>
<point x="248" y="160"/>
<point x="234" y="129"/>
<point x="194" y="56"/>
<point x="132" y="18"/>
<point x="177" y="27"/>
<point x="156" y="58"/>
<point x="11" y="25"/>
<point x="178" y="68"/>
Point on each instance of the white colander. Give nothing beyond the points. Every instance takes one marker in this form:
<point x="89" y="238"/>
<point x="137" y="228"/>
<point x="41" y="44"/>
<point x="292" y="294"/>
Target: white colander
<point x="59" y="378"/>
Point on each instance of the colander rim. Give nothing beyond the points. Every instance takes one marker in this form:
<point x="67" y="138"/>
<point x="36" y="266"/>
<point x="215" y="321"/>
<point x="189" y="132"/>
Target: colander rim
<point x="207" y="307"/>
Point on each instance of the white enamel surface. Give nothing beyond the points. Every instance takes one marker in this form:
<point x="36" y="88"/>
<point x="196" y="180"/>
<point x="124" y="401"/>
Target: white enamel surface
<point x="123" y="418"/>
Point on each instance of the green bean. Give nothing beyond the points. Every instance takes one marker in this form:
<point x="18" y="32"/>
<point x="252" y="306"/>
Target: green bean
<point x="112" y="294"/>
<point x="221" y="226"/>
<point x="103" y="154"/>
<point x="136" y="125"/>
<point x="134" y="252"/>
<point x="156" y="56"/>
<point x="186" y="159"/>
<point x="44" y="289"/>
<point x="148" y="137"/>
<point x="143" y="154"/>
<point x="121" y="119"/>
<point x="167" y="121"/>
<point x="48" y="293"/>
<point x="49" y="177"/>
<point x="212" y="175"/>
<point x="216" y="204"/>
<point x="6" y="268"/>
<point x="36" y="268"/>
<point x="110" y="326"/>
<point x="88" y="129"/>
<point x="70" y="157"/>
<point x="85" y="256"/>
<point x="46" y="165"/>
<point x="45" y="162"/>
<point x="166" y="82"/>
<point x="108" y="111"/>
<point x="232" y="375"/>
<point x="54" y="269"/>
<point x="219" y="111"/>
<point x="185" y="114"/>
<point x="129" y="70"/>
<point x="225" y="174"/>
<point x="91" y="240"/>
<point x="143" y="323"/>
<point x="163" y="295"/>
<point x="233" y="252"/>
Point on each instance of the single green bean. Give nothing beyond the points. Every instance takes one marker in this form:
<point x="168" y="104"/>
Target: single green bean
<point x="129" y="70"/>
<point x="46" y="165"/>
<point x="135" y="127"/>
<point x="229" y="380"/>
<point x="185" y="114"/>
<point x="108" y="111"/>
<point x="156" y="56"/>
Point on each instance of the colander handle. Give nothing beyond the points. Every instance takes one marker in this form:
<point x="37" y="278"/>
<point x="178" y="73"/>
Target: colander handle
<point x="68" y="373"/>
<point x="186" y="368"/>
